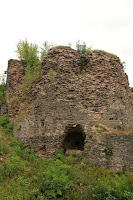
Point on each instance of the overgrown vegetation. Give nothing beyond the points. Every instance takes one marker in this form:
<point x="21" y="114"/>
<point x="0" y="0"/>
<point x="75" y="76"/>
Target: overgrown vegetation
<point x="108" y="150"/>
<point x="31" y="55"/>
<point x="82" y="48"/>
<point x="44" y="49"/>
<point x="84" y="51"/>
<point x="28" y="53"/>
<point x="123" y="65"/>
<point x="25" y="176"/>
<point x="6" y="126"/>
<point x="51" y="75"/>
<point x="131" y="89"/>
<point x="2" y="88"/>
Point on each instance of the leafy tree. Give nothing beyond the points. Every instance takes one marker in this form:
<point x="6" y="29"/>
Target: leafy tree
<point x="28" y="53"/>
<point x="31" y="54"/>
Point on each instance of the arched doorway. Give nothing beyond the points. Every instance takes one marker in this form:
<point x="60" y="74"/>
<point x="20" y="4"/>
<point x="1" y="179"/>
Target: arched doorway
<point x="74" y="138"/>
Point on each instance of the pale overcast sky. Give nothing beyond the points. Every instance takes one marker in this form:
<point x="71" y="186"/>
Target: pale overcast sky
<point x="102" y="24"/>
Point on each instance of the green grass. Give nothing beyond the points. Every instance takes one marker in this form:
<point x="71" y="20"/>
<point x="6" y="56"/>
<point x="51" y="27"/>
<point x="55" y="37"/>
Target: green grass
<point x="25" y="176"/>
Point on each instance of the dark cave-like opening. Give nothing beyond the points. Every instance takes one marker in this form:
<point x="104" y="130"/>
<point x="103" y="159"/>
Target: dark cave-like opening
<point x="74" y="138"/>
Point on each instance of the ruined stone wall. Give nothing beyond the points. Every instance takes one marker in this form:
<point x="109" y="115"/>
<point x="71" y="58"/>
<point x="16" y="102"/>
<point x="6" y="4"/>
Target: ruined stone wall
<point x="65" y="96"/>
<point x="15" y="79"/>
<point x="120" y="156"/>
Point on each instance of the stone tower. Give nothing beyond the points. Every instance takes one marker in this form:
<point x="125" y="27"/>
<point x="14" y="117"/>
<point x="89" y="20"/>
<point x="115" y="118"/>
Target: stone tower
<point x="69" y="99"/>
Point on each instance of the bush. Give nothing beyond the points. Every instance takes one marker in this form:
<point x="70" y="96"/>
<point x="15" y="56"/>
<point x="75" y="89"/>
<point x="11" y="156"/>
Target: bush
<point x="84" y="51"/>
<point x="31" y="76"/>
<point x="31" y="56"/>
<point x="59" y="154"/>
<point x="108" y="150"/>
<point x="24" y="152"/>
<point x="82" y="48"/>
<point x="56" y="181"/>
<point x="119" y="189"/>
<point x="28" y="53"/>
<point x="4" y="120"/>
<point x="131" y="89"/>
<point x="4" y="123"/>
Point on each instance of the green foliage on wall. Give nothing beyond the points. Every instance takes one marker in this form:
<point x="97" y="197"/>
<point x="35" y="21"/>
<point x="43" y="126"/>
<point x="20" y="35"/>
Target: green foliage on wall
<point x="82" y="48"/>
<point x="108" y="150"/>
<point x="18" y="127"/>
<point x="84" y="51"/>
<point x="28" y="53"/>
<point x="131" y="89"/>
<point x="44" y="49"/>
<point x="51" y="75"/>
<point x="31" y="55"/>
<point x="2" y="88"/>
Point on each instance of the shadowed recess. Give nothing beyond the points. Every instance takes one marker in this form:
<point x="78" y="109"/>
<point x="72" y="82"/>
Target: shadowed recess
<point x="74" y="138"/>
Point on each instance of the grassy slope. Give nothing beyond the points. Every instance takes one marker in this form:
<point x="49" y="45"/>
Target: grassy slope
<point x="20" y="170"/>
<point x="21" y="175"/>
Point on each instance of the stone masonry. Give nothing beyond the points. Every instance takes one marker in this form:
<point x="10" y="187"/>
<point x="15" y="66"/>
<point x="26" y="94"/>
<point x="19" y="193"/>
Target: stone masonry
<point x="65" y="103"/>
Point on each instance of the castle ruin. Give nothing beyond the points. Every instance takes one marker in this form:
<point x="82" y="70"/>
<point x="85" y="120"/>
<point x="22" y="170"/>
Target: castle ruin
<point x="74" y="107"/>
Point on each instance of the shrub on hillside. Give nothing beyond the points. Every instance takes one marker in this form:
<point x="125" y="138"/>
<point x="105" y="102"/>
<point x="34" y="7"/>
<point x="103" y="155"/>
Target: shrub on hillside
<point x="119" y="189"/>
<point x="4" y="123"/>
<point x="56" y="180"/>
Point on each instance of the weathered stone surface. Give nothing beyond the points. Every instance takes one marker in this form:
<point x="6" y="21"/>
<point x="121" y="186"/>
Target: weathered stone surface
<point x="64" y="99"/>
<point x="15" y="78"/>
